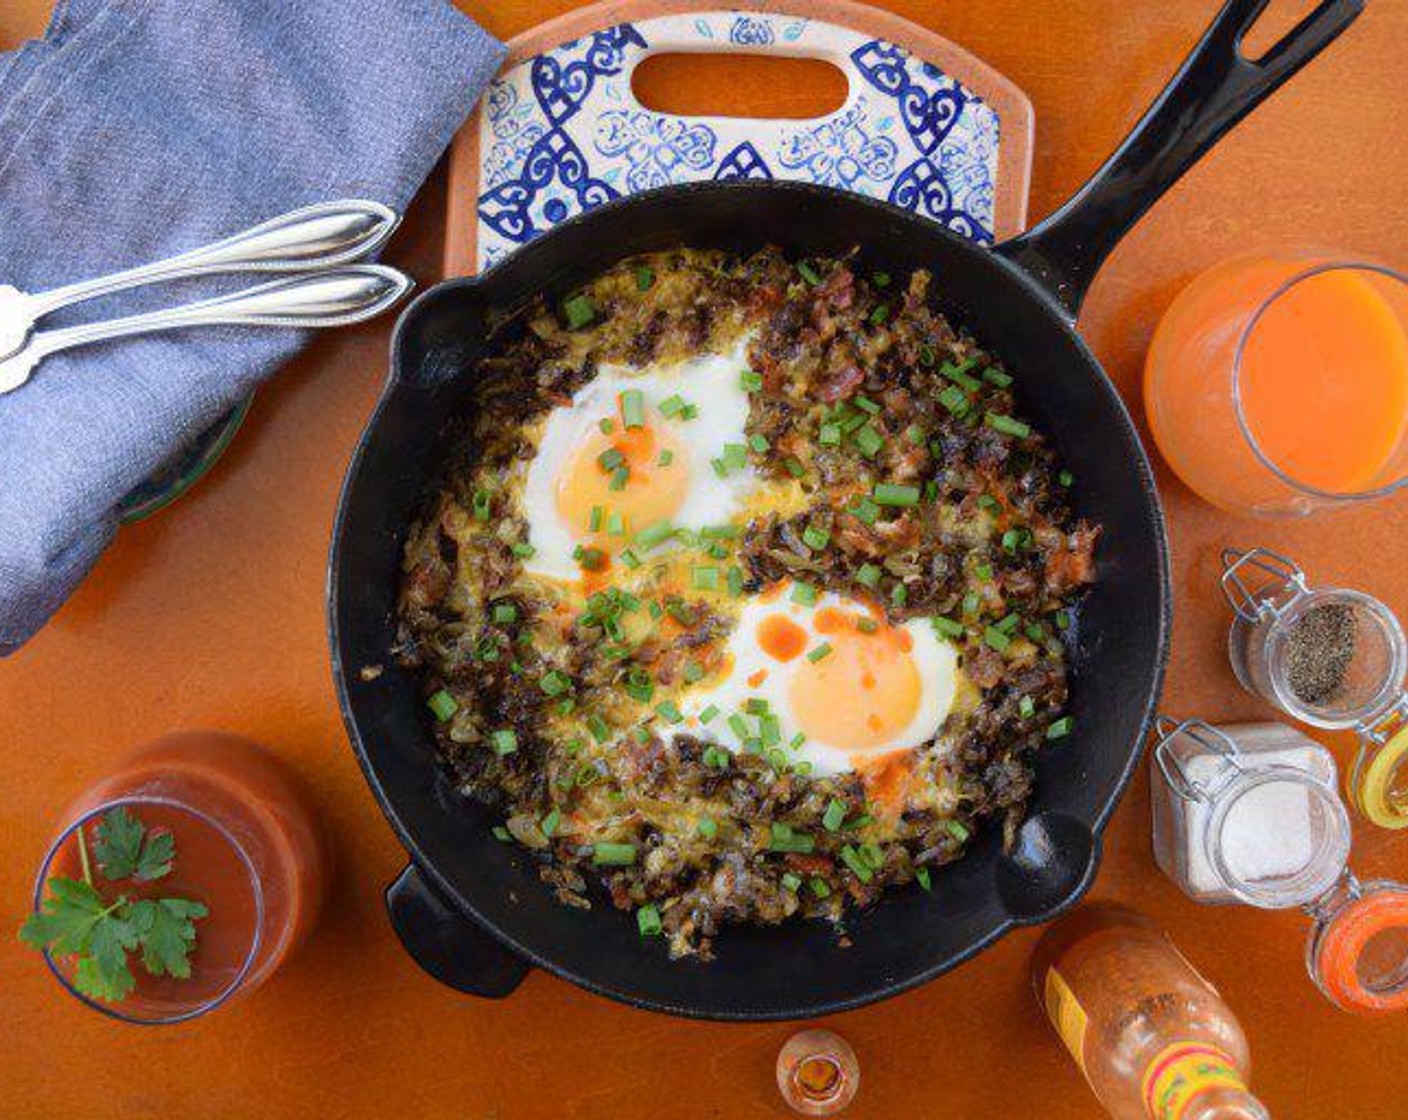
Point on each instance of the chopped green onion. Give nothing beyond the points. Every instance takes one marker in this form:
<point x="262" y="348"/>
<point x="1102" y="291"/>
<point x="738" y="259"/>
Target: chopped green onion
<point x="666" y="458"/>
<point x="672" y="406"/>
<point x="656" y="533"/>
<point x="830" y="435"/>
<point x="852" y="859"/>
<point x="597" y="726"/>
<point x="648" y="920"/>
<point x="1026" y="707"/>
<point x="959" y="376"/>
<point x="899" y="595"/>
<point x="821" y="651"/>
<point x="758" y="443"/>
<point x="555" y="683"/>
<point x="834" y="816"/>
<point x="996" y="377"/>
<point x="866" y="404"/>
<point x="889" y="494"/>
<point x="630" y="559"/>
<point x="915" y="434"/>
<point x="958" y="830"/>
<point x="618" y="478"/>
<point x="481" y="501"/>
<point x="867" y="625"/>
<point x="868" y="441"/>
<point x="926" y="354"/>
<point x="590" y="559"/>
<point x="720" y="532"/>
<point x="594" y="523"/>
<point x="693" y="671"/>
<point x="735" y="581"/>
<point x="864" y="510"/>
<point x="815" y="537"/>
<point x="607" y="425"/>
<point x="504" y="742"/>
<point x="819" y="888"/>
<point x="610" y="459"/>
<point x="1061" y="728"/>
<point x="443" y="705"/>
<point x="808" y="273"/>
<point x="879" y="315"/>
<point x="505" y="612"/>
<point x="1007" y="425"/>
<point x="639" y="686"/>
<point x="616" y="525"/>
<point x="613" y="855"/>
<point x="1065" y="478"/>
<point x="522" y="549"/>
<point x="996" y="639"/>
<point x="783" y="839"/>
<point x="756" y="706"/>
<point x="705" y="578"/>
<point x="1010" y="623"/>
<point x="689" y="412"/>
<point x="803" y="593"/>
<point x="750" y="381"/>
<point x="734" y="456"/>
<point x="632" y="403"/>
<point x="922" y="877"/>
<point x="668" y="711"/>
<point x="708" y="828"/>
<point x="645" y="277"/>
<point x="501" y="833"/>
<point x="551" y="821"/>
<point x="983" y="572"/>
<point x="579" y="311"/>
<point x="955" y="400"/>
<point x="989" y="503"/>
<point x="971" y="602"/>
<point x="868" y="574"/>
<point x="791" y="882"/>
<point x="947" y="627"/>
<point x="1063" y="620"/>
<point x="794" y="466"/>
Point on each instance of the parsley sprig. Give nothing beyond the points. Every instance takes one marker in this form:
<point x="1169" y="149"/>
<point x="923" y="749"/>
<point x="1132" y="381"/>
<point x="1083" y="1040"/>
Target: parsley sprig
<point x="75" y="920"/>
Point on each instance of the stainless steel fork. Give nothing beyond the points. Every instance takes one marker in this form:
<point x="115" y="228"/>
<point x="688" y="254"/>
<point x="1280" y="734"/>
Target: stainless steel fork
<point x="323" y="235"/>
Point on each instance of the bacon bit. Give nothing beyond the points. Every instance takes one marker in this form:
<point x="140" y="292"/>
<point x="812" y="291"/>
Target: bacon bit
<point x="1074" y="565"/>
<point x="838" y="289"/>
<point x="983" y="667"/>
<point x="839" y="385"/>
<point x="808" y="864"/>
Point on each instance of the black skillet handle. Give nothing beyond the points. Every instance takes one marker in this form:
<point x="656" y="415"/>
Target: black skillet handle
<point x="1214" y="89"/>
<point x="445" y="943"/>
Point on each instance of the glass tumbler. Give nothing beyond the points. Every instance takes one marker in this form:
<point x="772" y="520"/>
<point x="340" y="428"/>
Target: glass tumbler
<point x="1276" y="383"/>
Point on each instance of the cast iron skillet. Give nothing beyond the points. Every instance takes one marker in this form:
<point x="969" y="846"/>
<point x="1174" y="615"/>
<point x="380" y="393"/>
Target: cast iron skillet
<point x="472" y="910"/>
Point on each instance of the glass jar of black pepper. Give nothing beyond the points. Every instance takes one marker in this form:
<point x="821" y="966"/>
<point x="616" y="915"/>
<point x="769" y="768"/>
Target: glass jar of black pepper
<point x="1330" y="657"/>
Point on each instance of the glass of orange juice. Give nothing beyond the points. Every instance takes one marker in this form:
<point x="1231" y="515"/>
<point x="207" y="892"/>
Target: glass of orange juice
<point x="179" y="880"/>
<point x="1277" y="383"/>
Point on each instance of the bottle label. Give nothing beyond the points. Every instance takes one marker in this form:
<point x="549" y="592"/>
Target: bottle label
<point x="1183" y="1071"/>
<point x="1066" y="1014"/>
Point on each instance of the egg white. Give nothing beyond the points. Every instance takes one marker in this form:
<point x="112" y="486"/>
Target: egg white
<point x="710" y="381"/>
<point x="935" y="661"/>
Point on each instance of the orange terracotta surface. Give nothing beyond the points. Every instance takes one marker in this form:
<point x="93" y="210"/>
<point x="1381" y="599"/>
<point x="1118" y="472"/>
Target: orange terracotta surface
<point x="212" y="615"/>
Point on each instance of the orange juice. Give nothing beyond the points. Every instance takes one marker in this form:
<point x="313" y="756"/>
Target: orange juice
<point x="1319" y="360"/>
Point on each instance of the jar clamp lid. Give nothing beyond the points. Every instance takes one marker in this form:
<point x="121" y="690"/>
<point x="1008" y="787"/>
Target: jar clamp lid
<point x="1239" y="791"/>
<point x="1375" y="707"/>
<point x="1357" y="950"/>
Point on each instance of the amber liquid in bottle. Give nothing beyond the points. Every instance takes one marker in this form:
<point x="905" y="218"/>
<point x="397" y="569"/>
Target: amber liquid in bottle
<point x="1154" y="1039"/>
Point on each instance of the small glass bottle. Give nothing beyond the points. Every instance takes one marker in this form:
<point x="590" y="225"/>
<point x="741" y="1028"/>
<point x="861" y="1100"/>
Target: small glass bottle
<point x="817" y="1072"/>
<point x="1153" y="1038"/>
<point x="1329" y="657"/>
<point x="1246" y="813"/>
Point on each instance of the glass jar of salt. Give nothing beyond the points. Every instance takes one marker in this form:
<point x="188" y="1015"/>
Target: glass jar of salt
<point x="1330" y="657"/>
<point x="1247" y="813"/>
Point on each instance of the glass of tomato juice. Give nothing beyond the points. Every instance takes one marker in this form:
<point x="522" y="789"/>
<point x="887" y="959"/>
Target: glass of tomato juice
<point x="1277" y="383"/>
<point x="246" y="867"/>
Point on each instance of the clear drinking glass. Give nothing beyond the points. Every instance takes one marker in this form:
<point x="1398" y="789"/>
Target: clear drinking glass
<point x="246" y="848"/>
<point x="1277" y="383"/>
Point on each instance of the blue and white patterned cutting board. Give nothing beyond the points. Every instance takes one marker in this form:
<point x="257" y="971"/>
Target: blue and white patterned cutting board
<point x="561" y="132"/>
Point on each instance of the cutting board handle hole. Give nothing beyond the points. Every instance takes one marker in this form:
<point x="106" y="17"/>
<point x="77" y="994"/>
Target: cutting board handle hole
<point x="687" y="84"/>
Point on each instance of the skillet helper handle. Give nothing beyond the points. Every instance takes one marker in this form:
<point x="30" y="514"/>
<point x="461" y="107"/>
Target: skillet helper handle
<point x="447" y="945"/>
<point x="1214" y="89"/>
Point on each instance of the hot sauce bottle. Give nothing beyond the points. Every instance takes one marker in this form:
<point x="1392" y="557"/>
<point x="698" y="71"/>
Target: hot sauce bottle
<point x="1153" y="1038"/>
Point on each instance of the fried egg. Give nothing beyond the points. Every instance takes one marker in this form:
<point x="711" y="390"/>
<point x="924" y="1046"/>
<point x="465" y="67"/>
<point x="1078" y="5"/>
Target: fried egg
<point x="827" y="680"/>
<point x="637" y="447"/>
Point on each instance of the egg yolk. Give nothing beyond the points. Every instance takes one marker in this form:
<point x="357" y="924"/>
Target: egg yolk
<point x="652" y="491"/>
<point x="864" y="692"/>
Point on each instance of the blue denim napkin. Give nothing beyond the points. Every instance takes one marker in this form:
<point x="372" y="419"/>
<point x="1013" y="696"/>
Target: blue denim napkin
<point x="139" y="128"/>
